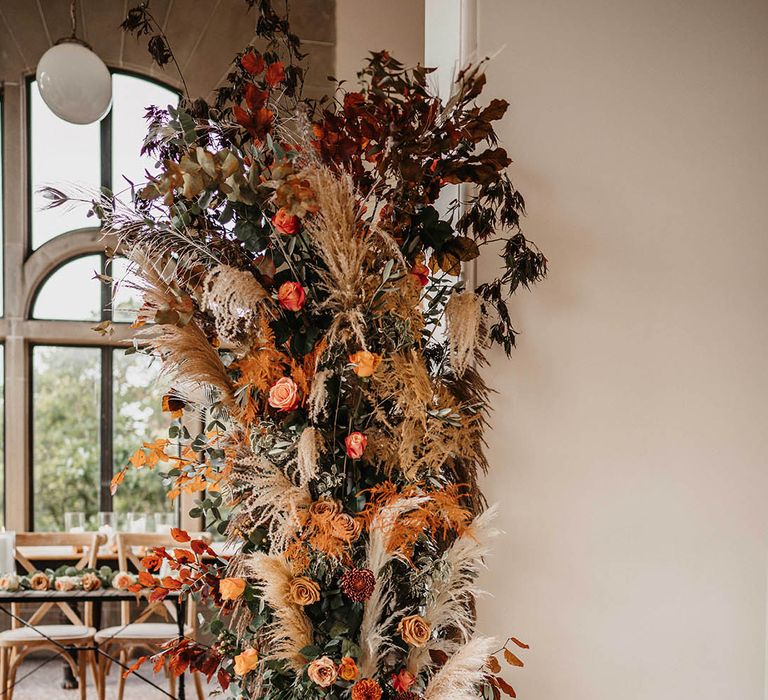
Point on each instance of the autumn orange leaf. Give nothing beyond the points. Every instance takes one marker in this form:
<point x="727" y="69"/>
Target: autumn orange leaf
<point x="180" y="535"/>
<point x="117" y="479"/>
<point x="505" y="687"/>
<point x="511" y="659"/>
<point x="522" y="645"/>
<point x="493" y="664"/>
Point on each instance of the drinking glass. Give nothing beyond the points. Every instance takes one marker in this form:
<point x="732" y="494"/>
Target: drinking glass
<point x="107" y="523"/>
<point x="164" y="522"/>
<point x="136" y="522"/>
<point x="74" y="521"/>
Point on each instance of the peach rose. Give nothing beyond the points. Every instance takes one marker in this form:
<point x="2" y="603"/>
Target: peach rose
<point x="365" y="362"/>
<point x="414" y="630"/>
<point x="325" y="511"/>
<point x="366" y="689"/>
<point x="67" y="583"/>
<point x="247" y="661"/>
<point x="348" y="669"/>
<point x="10" y="582"/>
<point x="231" y="588"/>
<point x="421" y="272"/>
<point x="304" y="591"/>
<point x="402" y="681"/>
<point x="122" y="580"/>
<point x="291" y="296"/>
<point x="39" y="581"/>
<point x="284" y="395"/>
<point x="285" y="222"/>
<point x="322" y="672"/>
<point x="355" y="443"/>
<point x="345" y="527"/>
<point x="90" y="582"/>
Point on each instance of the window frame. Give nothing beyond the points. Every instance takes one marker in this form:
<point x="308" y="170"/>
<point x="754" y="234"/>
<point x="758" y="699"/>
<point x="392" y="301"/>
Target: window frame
<point x="37" y="332"/>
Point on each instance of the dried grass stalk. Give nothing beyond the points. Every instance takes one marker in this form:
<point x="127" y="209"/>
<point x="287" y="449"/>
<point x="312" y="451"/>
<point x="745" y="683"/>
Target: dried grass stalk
<point x="187" y="354"/>
<point x="290" y="630"/>
<point x="306" y="455"/>
<point x="318" y="396"/>
<point x="466" y="329"/>
<point x="461" y="675"/>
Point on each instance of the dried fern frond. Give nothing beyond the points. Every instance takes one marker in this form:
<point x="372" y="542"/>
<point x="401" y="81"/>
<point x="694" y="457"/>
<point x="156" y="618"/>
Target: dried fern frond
<point x="317" y="403"/>
<point x="235" y="299"/>
<point x="462" y="674"/>
<point x="466" y="329"/>
<point x="290" y="630"/>
<point x="453" y="589"/>
<point x="273" y="501"/>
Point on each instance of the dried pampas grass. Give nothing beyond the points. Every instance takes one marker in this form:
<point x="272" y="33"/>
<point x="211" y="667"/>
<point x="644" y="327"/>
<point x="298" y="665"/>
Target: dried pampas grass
<point x="290" y="630"/>
<point x="188" y="355"/>
<point x="466" y="329"/>
<point x="234" y="298"/>
<point x="449" y="607"/>
<point x="379" y="554"/>
<point x="306" y="455"/>
<point x="462" y="673"/>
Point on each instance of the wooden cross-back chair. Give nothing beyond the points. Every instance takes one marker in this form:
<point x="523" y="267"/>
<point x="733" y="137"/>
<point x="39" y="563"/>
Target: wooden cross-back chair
<point x="134" y="632"/>
<point x="21" y="640"/>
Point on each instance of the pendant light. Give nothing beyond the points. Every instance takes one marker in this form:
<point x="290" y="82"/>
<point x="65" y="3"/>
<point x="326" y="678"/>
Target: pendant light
<point x="73" y="81"/>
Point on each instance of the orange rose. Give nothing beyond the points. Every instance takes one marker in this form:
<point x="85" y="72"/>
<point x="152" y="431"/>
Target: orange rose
<point x="304" y="591"/>
<point x="231" y="588"/>
<point x="365" y="362"/>
<point x="421" y="273"/>
<point x="366" y="689"/>
<point x="325" y="511"/>
<point x="414" y="630"/>
<point x="355" y="443"/>
<point x="90" y="582"/>
<point x="123" y="580"/>
<point x="247" y="661"/>
<point x="285" y="222"/>
<point x="322" y="672"/>
<point x="345" y="527"/>
<point x="291" y="296"/>
<point x="284" y="395"/>
<point x="348" y="669"/>
<point x="402" y="681"/>
<point x="39" y="581"/>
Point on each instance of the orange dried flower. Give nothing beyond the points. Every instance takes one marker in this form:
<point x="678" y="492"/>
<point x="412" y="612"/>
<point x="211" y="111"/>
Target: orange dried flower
<point x="231" y="588"/>
<point x="348" y="669"/>
<point x="366" y="689"/>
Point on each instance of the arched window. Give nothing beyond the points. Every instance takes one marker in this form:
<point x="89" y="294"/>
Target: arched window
<point x="93" y="401"/>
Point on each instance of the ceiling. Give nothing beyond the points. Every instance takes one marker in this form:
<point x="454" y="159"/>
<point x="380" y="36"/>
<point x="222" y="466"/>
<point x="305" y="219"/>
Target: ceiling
<point x="204" y="36"/>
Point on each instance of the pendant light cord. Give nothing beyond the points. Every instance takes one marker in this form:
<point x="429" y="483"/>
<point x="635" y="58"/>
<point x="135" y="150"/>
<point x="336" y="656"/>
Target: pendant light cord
<point x="73" y="17"/>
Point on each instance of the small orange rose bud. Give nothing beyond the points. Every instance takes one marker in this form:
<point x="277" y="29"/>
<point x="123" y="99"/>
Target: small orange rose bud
<point x="231" y="588"/>
<point x="246" y="662"/>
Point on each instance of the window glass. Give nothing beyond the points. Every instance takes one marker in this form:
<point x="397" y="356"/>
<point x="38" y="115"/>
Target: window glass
<point x="66" y="383"/>
<point x="131" y="97"/>
<point x="2" y="197"/>
<point x="138" y="418"/>
<point x="72" y="292"/>
<point x="126" y="300"/>
<point x="61" y="154"/>
<point x="2" y="435"/>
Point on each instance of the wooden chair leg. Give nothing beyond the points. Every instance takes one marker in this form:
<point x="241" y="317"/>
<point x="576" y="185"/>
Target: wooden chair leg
<point x="102" y="672"/>
<point x="82" y="660"/>
<point x="199" y="685"/>
<point x="93" y="662"/>
<point x="120" y="670"/>
<point x="12" y="666"/>
<point x="171" y="680"/>
<point x="3" y="671"/>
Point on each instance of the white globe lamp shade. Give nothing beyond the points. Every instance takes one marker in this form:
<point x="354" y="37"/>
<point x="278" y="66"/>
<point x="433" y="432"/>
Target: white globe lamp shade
<point x="74" y="82"/>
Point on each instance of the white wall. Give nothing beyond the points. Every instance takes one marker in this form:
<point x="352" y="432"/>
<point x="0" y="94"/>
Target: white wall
<point x="372" y="25"/>
<point x="629" y="439"/>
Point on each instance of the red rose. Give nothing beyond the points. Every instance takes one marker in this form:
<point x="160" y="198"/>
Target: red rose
<point x="275" y="74"/>
<point x="252" y="62"/>
<point x="355" y="443"/>
<point x="421" y="273"/>
<point x="286" y="223"/>
<point x="284" y="395"/>
<point x="402" y="682"/>
<point x="291" y="296"/>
